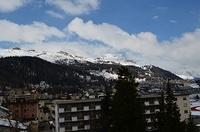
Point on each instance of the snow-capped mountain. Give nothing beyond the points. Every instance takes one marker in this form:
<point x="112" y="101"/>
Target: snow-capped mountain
<point x="62" y="57"/>
<point x="46" y="55"/>
<point x="66" y="58"/>
<point x="27" y="67"/>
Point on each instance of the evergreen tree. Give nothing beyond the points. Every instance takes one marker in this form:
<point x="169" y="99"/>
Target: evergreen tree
<point x="127" y="112"/>
<point x="161" y="114"/>
<point x="171" y="115"/>
<point x="106" y="110"/>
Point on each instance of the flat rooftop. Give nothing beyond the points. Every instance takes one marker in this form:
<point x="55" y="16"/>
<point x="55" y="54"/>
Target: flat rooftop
<point x="62" y="101"/>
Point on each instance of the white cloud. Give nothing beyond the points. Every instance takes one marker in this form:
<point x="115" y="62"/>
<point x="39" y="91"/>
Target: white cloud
<point x="75" y="7"/>
<point x="115" y="37"/>
<point x="172" y="21"/>
<point x="33" y="33"/>
<point x="155" y="17"/>
<point x="11" y="5"/>
<point x="76" y="48"/>
<point x="180" y="54"/>
<point x="55" y="14"/>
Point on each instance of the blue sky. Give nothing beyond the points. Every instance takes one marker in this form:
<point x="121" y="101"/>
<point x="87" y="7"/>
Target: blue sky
<point x="136" y="16"/>
<point x="166" y="18"/>
<point x="159" y="32"/>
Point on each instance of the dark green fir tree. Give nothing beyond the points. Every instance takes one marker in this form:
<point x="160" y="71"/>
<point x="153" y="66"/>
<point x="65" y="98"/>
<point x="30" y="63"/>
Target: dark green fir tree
<point x="106" y="118"/>
<point x="171" y="115"/>
<point x="161" y="115"/>
<point x="127" y="111"/>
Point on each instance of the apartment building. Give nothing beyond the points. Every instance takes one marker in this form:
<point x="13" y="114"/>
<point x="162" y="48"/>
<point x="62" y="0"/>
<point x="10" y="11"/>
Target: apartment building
<point x="76" y="115"/>
<point x="183" y="102"/>
<point x="83" y="115"/>
<point x="152" y="107"/>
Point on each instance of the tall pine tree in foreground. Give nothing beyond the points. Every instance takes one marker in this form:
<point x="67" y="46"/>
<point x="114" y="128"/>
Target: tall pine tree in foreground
<point x="127" y="111"/>
<point x="106" y="118"/>
<point x="170" y="113"/>
<point x="161" y="114"/>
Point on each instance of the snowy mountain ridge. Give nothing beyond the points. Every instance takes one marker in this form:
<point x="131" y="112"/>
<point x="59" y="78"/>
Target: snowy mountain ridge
<point x="65" y="57"/>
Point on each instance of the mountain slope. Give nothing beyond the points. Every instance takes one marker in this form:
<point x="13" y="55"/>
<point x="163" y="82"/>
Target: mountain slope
<point x="62" y="71"/>
<point x="21" y="71"/>
<point x="18" y="71"/>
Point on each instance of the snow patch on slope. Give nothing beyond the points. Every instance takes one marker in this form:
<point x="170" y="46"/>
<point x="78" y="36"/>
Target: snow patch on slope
<point x="139" y="80"/>
<point x="105" y="74"/>
<point x="113" y="59"/>
<point x="186" y="77"/>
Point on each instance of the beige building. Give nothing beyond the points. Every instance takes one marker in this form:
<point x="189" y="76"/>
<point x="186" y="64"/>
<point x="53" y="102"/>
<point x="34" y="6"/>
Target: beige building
<point x="183" y="103"/>
<point x="152" y="107"/>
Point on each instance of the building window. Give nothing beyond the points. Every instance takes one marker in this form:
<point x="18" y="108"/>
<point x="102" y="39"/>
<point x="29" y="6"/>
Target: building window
<point x="97" y="107"/>
<point x="86" y="117"/>
<point x="86" y="108"/>
<point x="74" y="128"/>
<point x="62" y="129"/>
<point x="157" y="110"/>
<point x="186" y="111"/>
<point x="61" y="110"/>
<point x="146" y="103"/>
<point x="156" y="102"/>
<point x="87" y="127"/>
<point x="74" y="118"/>
<point x="147" y="111"/>
<point x="148" y="120"/>
<point x="74" y="109"/>
<point x="61" y="120"/>
<point x="184" y="98"/>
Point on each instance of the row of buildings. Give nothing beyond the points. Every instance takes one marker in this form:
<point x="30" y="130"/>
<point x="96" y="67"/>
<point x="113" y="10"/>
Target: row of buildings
<point x="83" y="115"/>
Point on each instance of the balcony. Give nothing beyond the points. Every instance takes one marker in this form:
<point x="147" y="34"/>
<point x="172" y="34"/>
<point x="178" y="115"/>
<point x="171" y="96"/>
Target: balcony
<point x="82" y="110"/>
